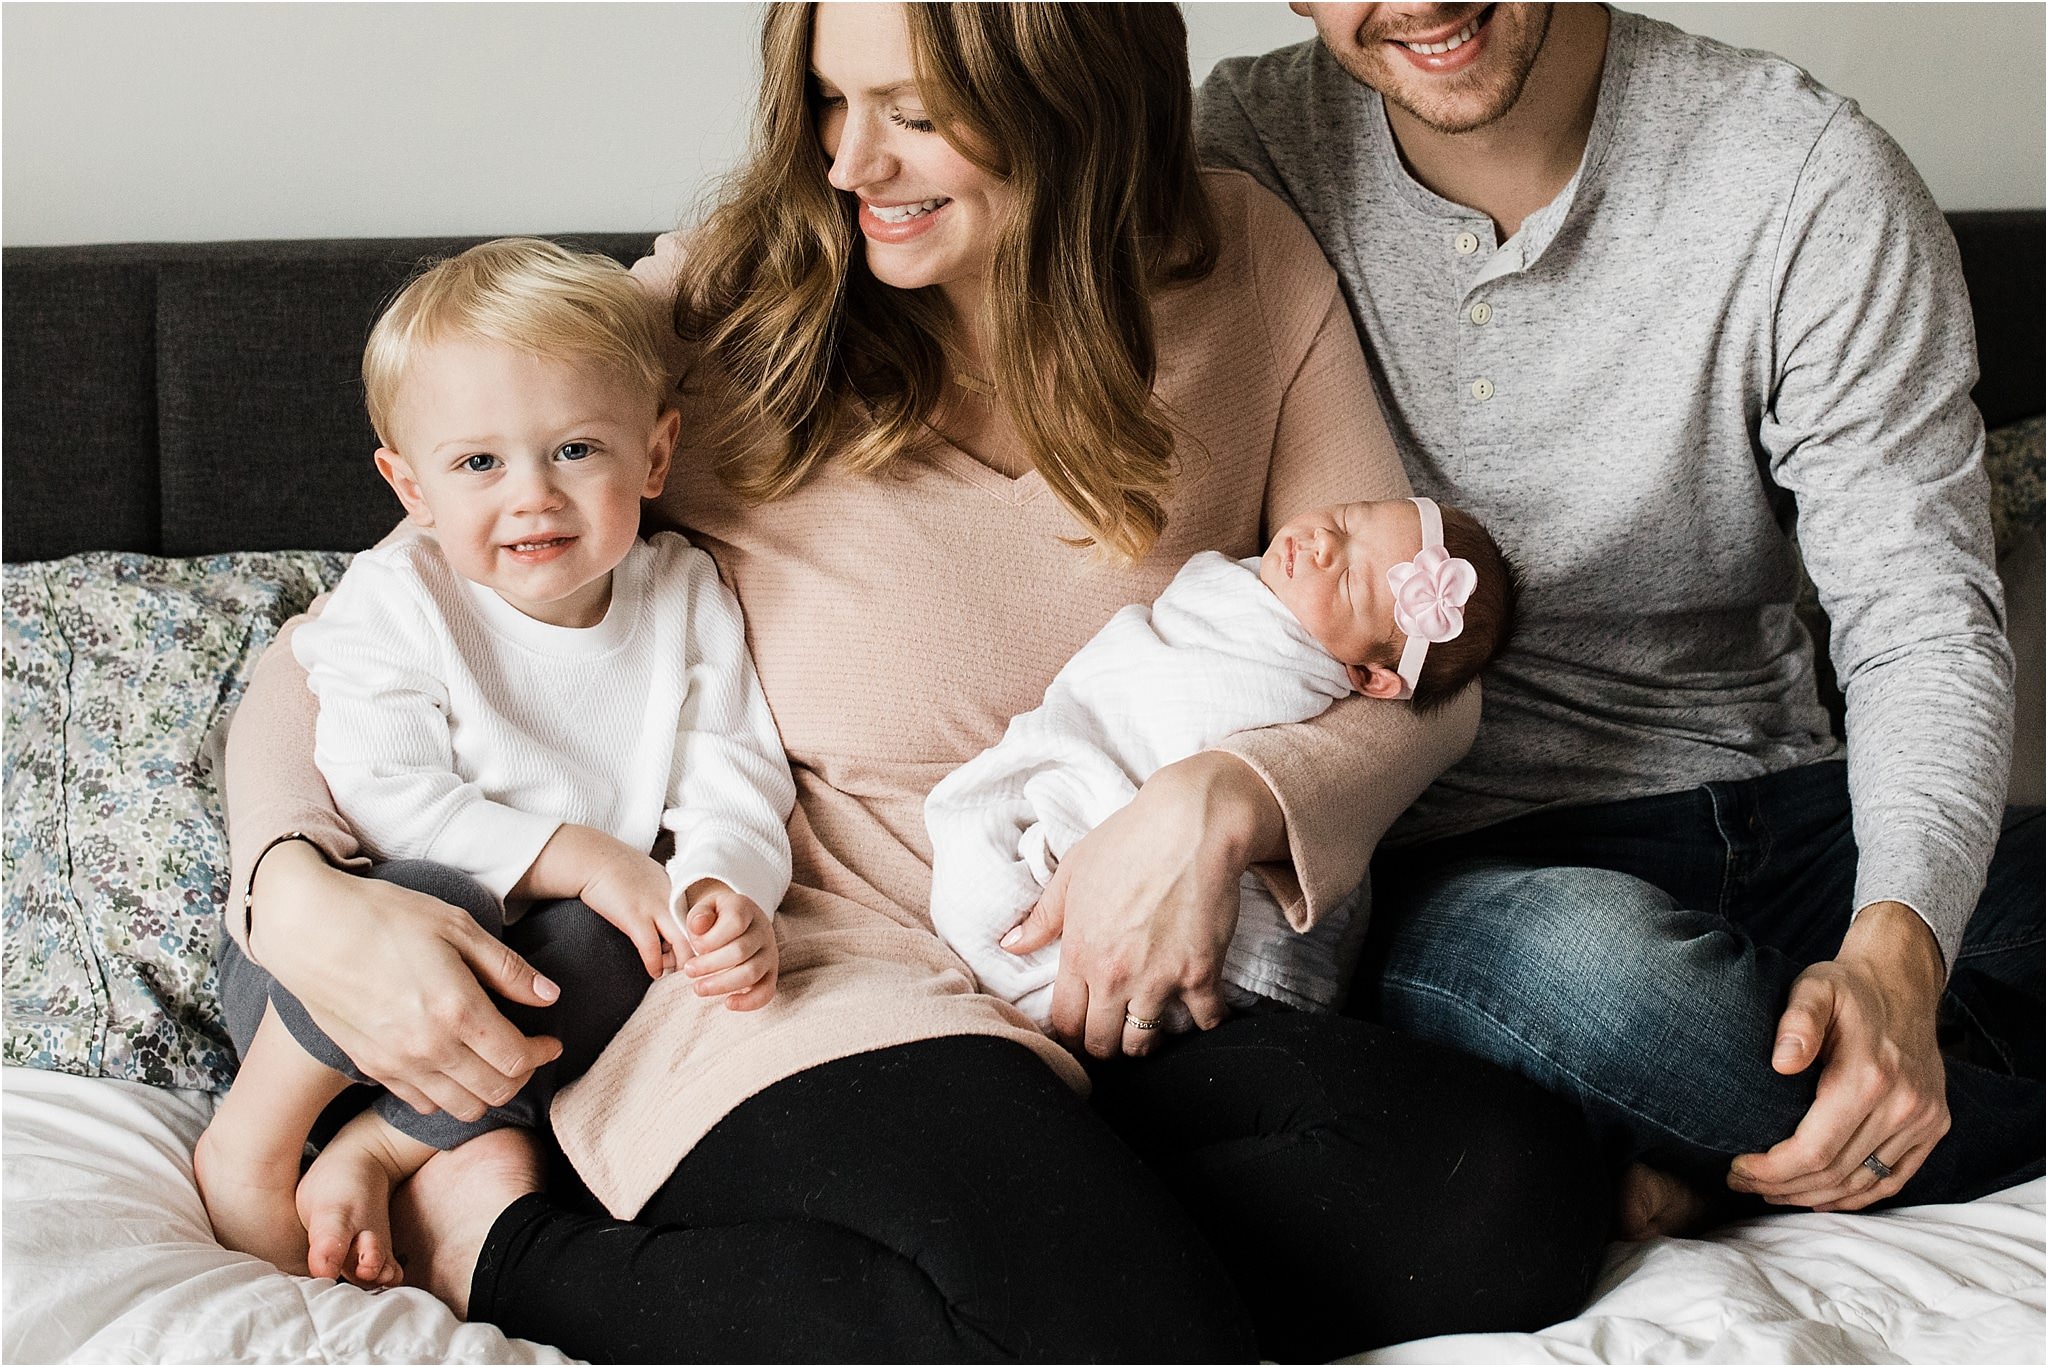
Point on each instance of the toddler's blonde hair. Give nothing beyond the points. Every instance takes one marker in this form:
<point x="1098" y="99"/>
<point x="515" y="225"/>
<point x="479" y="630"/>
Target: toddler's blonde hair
<point x="527" y="293"/>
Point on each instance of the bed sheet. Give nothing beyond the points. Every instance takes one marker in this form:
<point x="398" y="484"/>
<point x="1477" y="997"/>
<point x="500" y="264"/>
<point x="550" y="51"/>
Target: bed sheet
<point x="108" y="1258"/>
<point x="1923" y="1284"/>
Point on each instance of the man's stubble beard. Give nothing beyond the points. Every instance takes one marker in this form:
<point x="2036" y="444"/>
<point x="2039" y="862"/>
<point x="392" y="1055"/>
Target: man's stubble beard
<point x="1524" y="59"/>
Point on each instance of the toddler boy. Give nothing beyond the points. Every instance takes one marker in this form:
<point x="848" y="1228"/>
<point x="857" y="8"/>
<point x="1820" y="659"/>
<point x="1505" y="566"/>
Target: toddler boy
<point x="517" y="694"/>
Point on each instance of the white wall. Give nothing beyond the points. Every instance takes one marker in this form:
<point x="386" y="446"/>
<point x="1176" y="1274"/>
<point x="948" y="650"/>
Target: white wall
<point x="124" y="122"/>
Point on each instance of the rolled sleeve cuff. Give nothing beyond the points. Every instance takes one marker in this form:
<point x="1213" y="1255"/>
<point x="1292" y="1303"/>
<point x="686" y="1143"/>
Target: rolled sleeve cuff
<point x="1340" y="783"/>
<point x="493" y="844"/>
<point x="1941" y="887"/>
<point x="755" y="875"/>
<point x="1281" y="877"/>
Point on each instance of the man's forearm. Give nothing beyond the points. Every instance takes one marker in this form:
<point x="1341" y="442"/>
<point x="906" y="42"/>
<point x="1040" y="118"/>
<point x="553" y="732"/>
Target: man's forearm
<point x="1891" y="942"/>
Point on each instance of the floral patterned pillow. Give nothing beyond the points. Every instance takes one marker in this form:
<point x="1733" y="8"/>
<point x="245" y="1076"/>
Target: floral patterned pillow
<point x="119" y="672"/>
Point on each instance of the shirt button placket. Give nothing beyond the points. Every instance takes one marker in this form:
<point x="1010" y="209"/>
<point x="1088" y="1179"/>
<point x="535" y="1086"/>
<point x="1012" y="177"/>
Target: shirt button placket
<point x="1467" y="243"/>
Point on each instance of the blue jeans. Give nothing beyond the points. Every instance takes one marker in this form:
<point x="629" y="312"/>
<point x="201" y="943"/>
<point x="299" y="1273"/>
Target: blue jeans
<point x="1635" y="956"/>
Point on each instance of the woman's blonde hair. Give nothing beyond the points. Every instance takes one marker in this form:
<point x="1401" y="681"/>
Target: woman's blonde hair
<point x="1085" y="110"/>
<point x="527" y="293"/>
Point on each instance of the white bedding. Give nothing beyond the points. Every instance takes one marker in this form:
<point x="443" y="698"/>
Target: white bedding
<point x="107" y="1258"/>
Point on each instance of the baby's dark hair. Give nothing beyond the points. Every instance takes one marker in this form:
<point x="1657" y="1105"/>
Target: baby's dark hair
<point x="1489" y="613"/>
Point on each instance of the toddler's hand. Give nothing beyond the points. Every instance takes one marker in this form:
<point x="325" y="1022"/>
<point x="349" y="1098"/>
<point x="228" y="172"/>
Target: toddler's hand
<point x="631" y="892"/>
<point x="732" y="947"/>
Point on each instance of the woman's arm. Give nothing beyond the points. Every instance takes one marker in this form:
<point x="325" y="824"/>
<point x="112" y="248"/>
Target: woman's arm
<point x="731" y="793"/>
<point x="658" y="273"/>
<point x="394" y="977"/>
<point x="273" y="791"/>
<point x="1341" y="779"/>
<point x="1147" y="902"/>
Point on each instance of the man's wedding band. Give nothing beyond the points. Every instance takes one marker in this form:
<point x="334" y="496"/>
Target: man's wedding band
<point x="1874" y="1163"/>
<point x="1141" y="1022"/>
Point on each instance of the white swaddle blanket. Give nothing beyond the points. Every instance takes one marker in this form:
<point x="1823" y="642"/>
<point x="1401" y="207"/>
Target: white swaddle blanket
<point x="1215" y="653"/>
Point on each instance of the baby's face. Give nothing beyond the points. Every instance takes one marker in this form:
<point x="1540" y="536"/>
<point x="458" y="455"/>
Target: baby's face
<point x="1329" y="566"/>
<point x="529" y="470"/>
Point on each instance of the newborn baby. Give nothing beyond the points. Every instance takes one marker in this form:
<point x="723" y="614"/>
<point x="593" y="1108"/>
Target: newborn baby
<point x="1395" y="599"/>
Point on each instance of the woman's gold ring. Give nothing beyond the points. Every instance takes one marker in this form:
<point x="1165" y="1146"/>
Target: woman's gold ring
<point x="1141" y="1022"/>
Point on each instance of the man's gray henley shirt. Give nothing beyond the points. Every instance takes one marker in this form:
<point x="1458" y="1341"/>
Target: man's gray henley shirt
<point x="1743" y="314"/>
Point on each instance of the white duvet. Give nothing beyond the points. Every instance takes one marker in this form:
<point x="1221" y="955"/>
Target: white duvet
<point x="106" y="1257"/>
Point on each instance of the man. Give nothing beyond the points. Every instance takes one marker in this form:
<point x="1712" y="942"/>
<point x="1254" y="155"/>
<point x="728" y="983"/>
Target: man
<point x="1643" y="303"/>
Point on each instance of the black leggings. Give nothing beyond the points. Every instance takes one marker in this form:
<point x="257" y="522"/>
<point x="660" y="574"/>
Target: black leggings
<point x="1293" y="1186"/>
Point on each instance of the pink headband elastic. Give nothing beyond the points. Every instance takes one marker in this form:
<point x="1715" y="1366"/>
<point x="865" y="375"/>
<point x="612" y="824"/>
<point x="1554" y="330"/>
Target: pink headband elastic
<point x="1429" y="595"/>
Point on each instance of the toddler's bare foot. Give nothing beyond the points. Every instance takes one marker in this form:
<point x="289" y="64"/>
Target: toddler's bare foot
<point x="441" y="1217"/>
<point x="345" y="1201"/>
<point x="1654" y="1202"/>
<point x="247" y="1181"/>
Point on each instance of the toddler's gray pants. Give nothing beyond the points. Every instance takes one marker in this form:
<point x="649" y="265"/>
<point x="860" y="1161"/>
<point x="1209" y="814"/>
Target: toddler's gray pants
<point x="597" y="968"/>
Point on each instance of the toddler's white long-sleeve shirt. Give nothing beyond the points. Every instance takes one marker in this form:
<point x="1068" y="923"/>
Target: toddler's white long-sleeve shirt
<point x="455" y="728"/>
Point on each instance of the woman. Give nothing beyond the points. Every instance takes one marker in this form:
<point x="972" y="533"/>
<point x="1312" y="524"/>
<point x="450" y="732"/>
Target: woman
<point x="982" y="357"/>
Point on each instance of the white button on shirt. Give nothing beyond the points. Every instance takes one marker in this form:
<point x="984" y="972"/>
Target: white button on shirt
<point x="1482" y="389"/>
<point x="1466" y="243"/>
<point x="1482" y="313"/>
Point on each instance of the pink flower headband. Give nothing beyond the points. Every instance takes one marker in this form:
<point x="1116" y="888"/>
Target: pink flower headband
<point x="1429" y="595"/>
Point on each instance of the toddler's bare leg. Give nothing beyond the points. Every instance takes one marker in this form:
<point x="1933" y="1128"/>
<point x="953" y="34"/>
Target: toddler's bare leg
<point x="445" y="1213"/>
<point x="345" y="1200"/>
<point x="247" y="1162"/>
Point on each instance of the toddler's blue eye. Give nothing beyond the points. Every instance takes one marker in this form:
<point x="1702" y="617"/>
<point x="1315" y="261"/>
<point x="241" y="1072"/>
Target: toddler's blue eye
<point x="574" y="450"/>
<point x="479" y="462"/>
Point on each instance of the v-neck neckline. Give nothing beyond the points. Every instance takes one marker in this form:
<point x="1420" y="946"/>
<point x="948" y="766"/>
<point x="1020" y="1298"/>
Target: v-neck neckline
<point x="1016" y="490"/>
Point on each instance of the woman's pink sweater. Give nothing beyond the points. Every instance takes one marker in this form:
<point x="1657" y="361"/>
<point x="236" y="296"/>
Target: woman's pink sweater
<point x="898" y="621"/>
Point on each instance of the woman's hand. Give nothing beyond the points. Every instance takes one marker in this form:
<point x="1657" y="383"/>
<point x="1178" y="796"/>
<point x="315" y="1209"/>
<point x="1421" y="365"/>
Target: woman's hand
<point x="658" y="273"/>
<point x="1148" y="901"/>
<point x="397" y="979"/>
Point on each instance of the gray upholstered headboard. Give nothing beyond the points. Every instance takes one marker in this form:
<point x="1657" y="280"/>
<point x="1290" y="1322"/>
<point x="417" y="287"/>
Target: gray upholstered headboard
<point x="182" y="399"/>
<point x="185" y="398"/>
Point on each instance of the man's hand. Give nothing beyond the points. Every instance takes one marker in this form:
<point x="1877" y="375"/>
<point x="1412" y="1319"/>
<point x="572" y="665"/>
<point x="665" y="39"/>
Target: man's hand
<point x="733" y="953"/>
<point x="1148" y="901"/>
<point x="1868" y="1017"/>
<point x="397" y="980"/>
